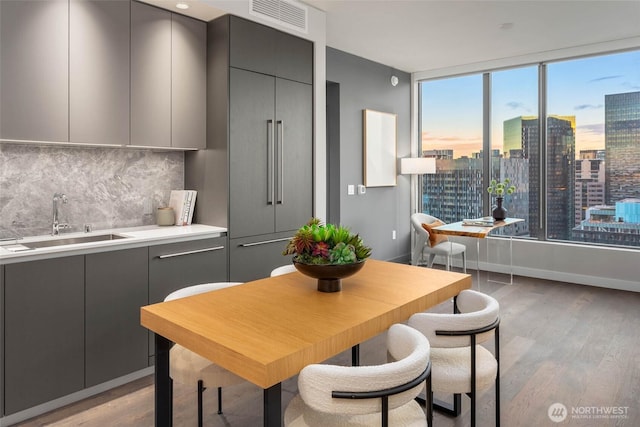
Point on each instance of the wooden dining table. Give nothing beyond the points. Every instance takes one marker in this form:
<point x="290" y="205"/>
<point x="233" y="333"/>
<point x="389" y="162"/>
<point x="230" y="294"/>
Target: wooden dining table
<point x="267" y="330"/>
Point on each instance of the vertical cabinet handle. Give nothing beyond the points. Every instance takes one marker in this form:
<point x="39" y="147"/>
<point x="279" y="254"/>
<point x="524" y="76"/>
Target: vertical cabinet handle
<point x="280" y="193"/>
<point x="270" y="162"/>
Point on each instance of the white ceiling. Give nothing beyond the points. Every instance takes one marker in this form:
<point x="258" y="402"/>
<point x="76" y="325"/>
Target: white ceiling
<point x="420" y="35"/>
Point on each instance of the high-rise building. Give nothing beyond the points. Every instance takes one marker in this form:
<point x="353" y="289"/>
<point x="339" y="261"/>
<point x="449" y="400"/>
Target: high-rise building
<point x="622" y="146"/>
<point x="590" y="179"/>
<point x="455" y="192"/>
<point x="515" y="135"/>
<point x="560" y="146"/>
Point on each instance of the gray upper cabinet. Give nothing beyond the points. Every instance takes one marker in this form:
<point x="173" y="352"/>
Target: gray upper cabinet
<point x="34" y="70"/>
<point x="266" y="50"/>
<point x="188" y="82"/>
<point x="168" y="79"/>
<point x="99" y="71"/>
<point x="150" y="76"/>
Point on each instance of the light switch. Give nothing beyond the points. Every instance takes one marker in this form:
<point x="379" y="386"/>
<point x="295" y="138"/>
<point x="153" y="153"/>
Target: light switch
<point x="362" y="189"/>
<point x="351" y="190"/>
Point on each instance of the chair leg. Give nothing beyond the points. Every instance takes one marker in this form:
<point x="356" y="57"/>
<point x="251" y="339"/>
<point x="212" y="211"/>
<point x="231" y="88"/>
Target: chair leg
<point x="432" y="258"/>
<point x="200" y="390"/>
<point x="453" y="410"/>
<point x="448" y="262"/>
<point x="497" y="354"/>
<point x="219" y="400"/>
<point x="429" y="402"/>
<point x="464" y="262"/>
<point x="472" y="395"/>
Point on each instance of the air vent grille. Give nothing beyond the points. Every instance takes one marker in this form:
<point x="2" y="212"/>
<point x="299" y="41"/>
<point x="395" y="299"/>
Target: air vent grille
<point x="287" y="13"/>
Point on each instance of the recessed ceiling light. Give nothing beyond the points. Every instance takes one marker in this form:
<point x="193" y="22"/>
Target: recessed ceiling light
<point x="182" y="6"/>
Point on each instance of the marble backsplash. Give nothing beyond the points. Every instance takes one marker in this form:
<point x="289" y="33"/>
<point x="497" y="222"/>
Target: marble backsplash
<point x="105" y="187"/>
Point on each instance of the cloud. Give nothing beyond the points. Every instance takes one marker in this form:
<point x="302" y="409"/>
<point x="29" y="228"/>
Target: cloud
<point x="587" y="107"/>
<point x="515" y="105"/>
<point x="605" y="78"/>
<point x="597" y="128"/>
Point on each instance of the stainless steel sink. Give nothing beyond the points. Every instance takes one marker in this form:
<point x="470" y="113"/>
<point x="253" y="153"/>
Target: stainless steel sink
<point x="72" y="241"/>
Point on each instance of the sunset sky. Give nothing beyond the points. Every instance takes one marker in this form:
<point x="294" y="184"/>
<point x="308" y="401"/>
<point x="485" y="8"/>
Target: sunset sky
<point x="451" y="110"/>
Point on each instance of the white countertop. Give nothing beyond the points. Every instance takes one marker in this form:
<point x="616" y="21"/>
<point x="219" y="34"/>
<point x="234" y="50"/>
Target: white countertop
<point x="134" y="237"/>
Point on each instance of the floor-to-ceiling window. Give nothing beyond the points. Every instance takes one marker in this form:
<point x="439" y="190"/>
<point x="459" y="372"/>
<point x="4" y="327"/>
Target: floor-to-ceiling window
<point x="451" y="131"/>
<point x="514" y="127"/>
<point x="577" y="174"/>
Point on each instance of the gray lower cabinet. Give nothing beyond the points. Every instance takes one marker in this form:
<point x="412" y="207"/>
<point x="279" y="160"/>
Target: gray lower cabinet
<point x="177" y="265"/>
<point x="2" y="339"/>
<point x="116" y="286"/>
<point x="34" y="70"/>
<point x="254" y="257"/>
<point x="43" y="331"/>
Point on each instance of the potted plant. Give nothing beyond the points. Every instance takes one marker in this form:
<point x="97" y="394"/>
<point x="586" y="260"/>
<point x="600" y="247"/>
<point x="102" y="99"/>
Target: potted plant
<point x="327" y="252"/>
<point x="500" y="189"/>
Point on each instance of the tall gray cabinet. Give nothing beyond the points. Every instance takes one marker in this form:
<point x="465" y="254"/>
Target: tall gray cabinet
<point x="256" y="174"/>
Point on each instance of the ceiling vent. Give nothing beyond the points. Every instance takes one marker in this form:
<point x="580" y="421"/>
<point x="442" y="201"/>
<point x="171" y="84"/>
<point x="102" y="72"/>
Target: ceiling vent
<point x="287" y="13"/>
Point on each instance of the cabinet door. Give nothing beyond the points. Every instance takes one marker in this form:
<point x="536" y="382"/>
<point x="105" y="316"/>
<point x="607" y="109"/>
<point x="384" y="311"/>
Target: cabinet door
<point x="294" y="156"/>
<point x="34" y="74"/>
<point x="294" y="58"/>
<point x="99" y="71"/>
<point x="2" y="337"/>
<point x="189" y="82"/>
<point x="150" y="76"/>
<point x="116" y="288"/>
<point x="252" y="46"/>
<point x="263" y="49"/>
<point x="251" y="153"/>
<point x="254" y="257"/>
<point x="178" y="265"/>
<point x="43" y="331"/>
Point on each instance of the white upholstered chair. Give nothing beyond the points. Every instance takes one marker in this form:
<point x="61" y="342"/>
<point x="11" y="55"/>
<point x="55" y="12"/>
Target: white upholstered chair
<point x="459" y="363"/>
<point x="377" y="395"/>
<point x="187" y="367"/>
<point x="284" y="269"/>
<point x="434" y="246"/>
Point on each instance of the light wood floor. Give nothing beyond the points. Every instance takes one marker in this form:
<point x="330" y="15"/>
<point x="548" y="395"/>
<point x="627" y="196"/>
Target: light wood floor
<point x="560" y="343"/>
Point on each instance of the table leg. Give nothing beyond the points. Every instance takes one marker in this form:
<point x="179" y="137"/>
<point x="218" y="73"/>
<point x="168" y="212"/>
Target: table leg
<point x="273" y="406"/>
<point x="478" y="261"/>
<point x="510" y="282"/>
<point x="163" y="383"/>
<point x="355" y="355"/>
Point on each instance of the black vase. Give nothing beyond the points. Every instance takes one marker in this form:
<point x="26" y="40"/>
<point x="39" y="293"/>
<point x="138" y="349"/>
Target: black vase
<point x="499" y="213"/>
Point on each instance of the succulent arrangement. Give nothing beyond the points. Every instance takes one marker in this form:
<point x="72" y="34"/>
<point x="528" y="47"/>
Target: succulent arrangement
<point x="500" y="189"/>
<point x="315" y="243"/>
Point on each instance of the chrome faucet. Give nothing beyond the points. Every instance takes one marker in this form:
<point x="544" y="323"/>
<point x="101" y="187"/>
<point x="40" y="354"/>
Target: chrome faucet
<point x="56" y="227"/>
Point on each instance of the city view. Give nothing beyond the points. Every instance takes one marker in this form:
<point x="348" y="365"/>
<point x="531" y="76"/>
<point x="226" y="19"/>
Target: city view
<point x="587" y="172"/>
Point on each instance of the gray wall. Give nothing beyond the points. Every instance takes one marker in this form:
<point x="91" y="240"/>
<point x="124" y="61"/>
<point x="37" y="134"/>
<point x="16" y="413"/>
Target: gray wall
<point x="364" y="84"/>
<point x="105" y="187"/>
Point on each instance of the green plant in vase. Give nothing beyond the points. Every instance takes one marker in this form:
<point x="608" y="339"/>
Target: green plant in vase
<point x="318" y="244"/>
<point x="500" y="189"/>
